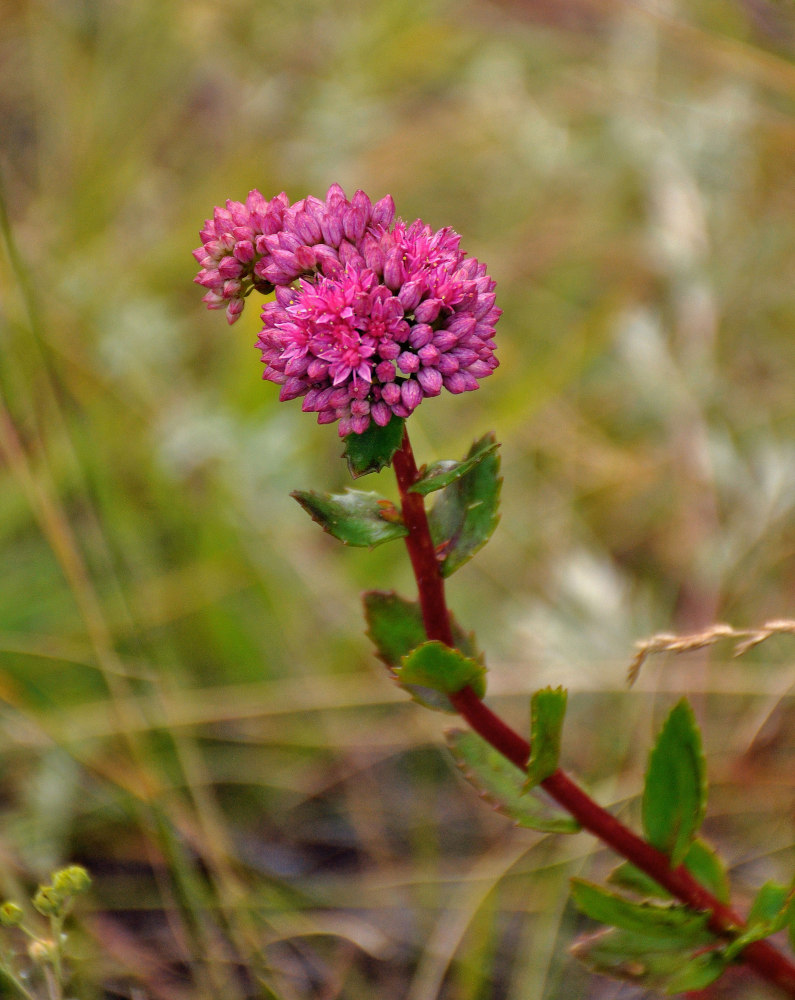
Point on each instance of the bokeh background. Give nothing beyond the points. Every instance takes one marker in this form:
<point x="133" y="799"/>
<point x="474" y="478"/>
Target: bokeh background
<point x="188" y="705"/>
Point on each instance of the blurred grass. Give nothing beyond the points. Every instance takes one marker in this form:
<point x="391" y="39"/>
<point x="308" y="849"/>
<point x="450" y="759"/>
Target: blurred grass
<point x="187" y="703"/>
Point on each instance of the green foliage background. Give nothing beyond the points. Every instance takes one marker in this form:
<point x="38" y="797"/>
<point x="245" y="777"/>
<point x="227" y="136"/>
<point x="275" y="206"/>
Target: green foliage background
<point x="187" y="703"/>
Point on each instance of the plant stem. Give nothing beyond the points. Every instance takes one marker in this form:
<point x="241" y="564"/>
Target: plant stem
<point x="760" y="955"/>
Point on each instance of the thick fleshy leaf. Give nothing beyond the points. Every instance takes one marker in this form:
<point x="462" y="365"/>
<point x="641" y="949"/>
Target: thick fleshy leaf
<point x="432" y="671"/>
<point x="675" y="791"/>
<point x="547" y="710"/>
<point x="637" y="958"/>
<point x="701" y="861"/>
<point x="502" y="784"/>
<point x="771" y="911"/>
<point x="666" y="926"/>
<point x="395" y="627"/>
<point x="697" y="972"/>
<point x="770" y="906"/>
<point x="706" y="867"/>
<point x="629" y="877"/>
<point x="356" y="518"/>
<point x="465" y="512"/>
<point x="441" y="474"/>
<point x="373" y="450"/>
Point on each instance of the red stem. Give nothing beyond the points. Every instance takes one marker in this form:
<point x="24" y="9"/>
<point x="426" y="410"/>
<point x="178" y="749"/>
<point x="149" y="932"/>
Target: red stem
<point x="766" y="960"/>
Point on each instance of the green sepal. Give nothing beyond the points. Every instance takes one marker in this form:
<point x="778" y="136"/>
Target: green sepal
<point x="465" y="512"/>
<point x="502" y="784"/>
<point x="701" y="861"/>
<point x="675" y="790"/>
<point x="644" y="961"/>
<point x="547" y="710"/>
<point x="433" y="671"/>
<point x="372" y="450"/>
<point x="771" y="911"/>
<point x="664" y="927"/>
<point x="441" y="474"/>
<point x="354" y="517"/>
<point x="395" y="626"/>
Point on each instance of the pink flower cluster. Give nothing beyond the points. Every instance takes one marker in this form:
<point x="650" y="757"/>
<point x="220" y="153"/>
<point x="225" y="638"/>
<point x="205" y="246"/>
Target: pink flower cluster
<point x="370" y="315"/>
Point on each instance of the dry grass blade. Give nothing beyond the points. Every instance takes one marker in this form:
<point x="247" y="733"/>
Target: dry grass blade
<point x="665" y="642"/>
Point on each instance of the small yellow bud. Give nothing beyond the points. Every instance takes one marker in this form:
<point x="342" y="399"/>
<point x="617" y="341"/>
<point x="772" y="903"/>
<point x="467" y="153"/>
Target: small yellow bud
<point x="48" y="901"/>
<point x="10" y="915"/>
<point x="71" y="881"/>
<point x="41" y="951"/>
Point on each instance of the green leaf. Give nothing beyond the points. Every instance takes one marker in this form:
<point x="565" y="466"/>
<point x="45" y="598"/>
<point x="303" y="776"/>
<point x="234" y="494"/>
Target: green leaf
<point x="626" y="956"/>
<point x="701" y="861"/>
<point x="373" y="450"/>
<point x="395" y="627"/>
<point x="636" y="958"/>
<point x="771" y="911"/>
<point x="441" y="474"/>
<point x="434" y="669"/>
<point x="502" y="784"/>
<point x="629" y="877"/>
<point x="547" y="710"/>
<point x="665" y="926"/>
<point x="770" y="908"/>
<point x="674" y="795"/>
<point x="707" y="868"/>
<point x="465" y="513"/>
<point x="698" y="972"/>
<point x="356" y="518"/>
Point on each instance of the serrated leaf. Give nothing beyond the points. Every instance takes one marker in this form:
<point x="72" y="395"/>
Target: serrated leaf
<point x="441" y="474"/>
<point x="434" y="669"/>
<point x="354" y="517"/>
<point x="465" y="512"/>
<point x="706" y="867"/>
<point x="641" y="960"/>
<point x="674" y="794"/>
<point x="372" y="450"/>
<point x="666" y="926"/>
<point x="627" y="956"/>
<point x="629" y="877"/>
<point x="701" y="861"/>
<point x="395" y="627"/>
<point x="770" y="907"/>
<point x="501" y="783"/>
<point x="771" y="911"/>
<point x="697" y="972"/>
<point x="547" y="710"/>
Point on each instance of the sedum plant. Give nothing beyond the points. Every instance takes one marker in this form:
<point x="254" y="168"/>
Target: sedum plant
<point x="45" y="973"/>
<point x="365" y="317"/>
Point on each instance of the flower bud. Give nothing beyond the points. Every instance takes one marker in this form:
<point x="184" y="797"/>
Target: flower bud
<point x="10" y="915"/>
<point x="71" y="880"/>
<point x="48" y="901"/>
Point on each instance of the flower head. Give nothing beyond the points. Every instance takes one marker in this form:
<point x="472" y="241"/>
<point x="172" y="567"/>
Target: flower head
<point x="370" y="316"/>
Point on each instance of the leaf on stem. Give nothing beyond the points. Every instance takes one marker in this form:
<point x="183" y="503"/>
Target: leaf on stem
<point x="373" y="450"/>
<point x="771" y="911"/>
<point x="465" y="512"/>
<point x="395" y="627"/>
<point x="675" y="791"/>
<point x="701" y="861"/>
<point x="547" y="710"/>
<point x="441" y="474"/>
<point x="433" y="671"/>
<point x="635" y="958"/>
<point x="664" y="927"/>
<point x="502" y="784"/>
<point x="354" y="517"/>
